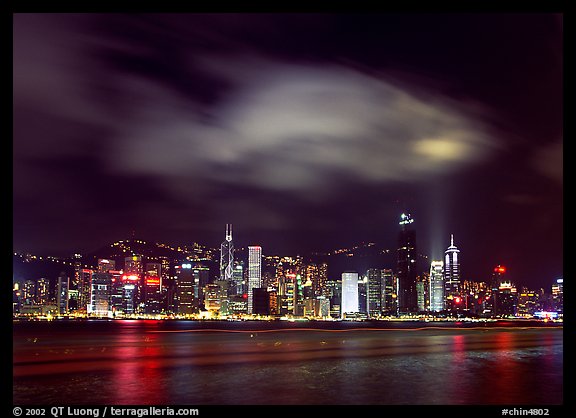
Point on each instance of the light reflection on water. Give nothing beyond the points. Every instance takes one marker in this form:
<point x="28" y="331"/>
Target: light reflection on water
<point x="129" y="362"/>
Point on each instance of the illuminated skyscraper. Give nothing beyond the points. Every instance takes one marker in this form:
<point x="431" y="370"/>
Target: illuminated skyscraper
<point x="133" y="265"/>
<point x="406" y="274"/>
<point x="100" y="294"/>
<point x="390" y="296"/>
<point x="227" y="257"/>
<point x="423" y="291"/>
<point x="349" y="293"/>
<point x="376" y="289"/>
<point x="558" y="296"/>
<point x="62" y="293"/>
<point x="254" y="272"/>
<point x="437" y="286"/>
<point x="452" y="275"/>
<point x="185" y="282"/>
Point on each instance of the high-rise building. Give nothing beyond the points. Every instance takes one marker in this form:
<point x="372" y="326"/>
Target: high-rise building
<point x="227" y="257"/>
<point x="84" y="288"/>
<point x="390" y="296"/>
<point x="363" y="294"/>
<point x="62" y="293"/>
<point x="349" y="293"/>
<point x="261" y="300"/>
<point x="558" y="296"/>
<point x="254" y="272"/>
<point x="238" y="284"/>
<point x="376" y="290"/>
<point x="133" y="265"/>
<point x="152" y="289"/>
<point x="423" y="291"/>
<point x="335" y="297"/>
<point x="185" y="282"/>
<point x="437" y="287"/>
<point x="452" y="276"/>
<point x="100" y="294"/>
<point x="407" y="297"/>
<point x="42" y="291"/>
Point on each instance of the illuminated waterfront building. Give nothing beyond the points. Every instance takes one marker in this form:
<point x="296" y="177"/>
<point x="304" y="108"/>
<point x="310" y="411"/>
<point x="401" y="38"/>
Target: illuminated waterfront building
<point x="288" y="293"/>
<point x="62" y="293"/>
<point x="349" y="293"/>
<point x="152" y="289"/>
<point x="376" y="289"/>
<point x="437" y="288"/>
<point x="504" y="294"/>
<point x="390" y="301"/>
<point x="185" y="283"/>
<point x="528" y="302"/>
<point x="133" y="265"/>
<point x="227" y="258"/>
<point x="28" y="293"/>
<point x="84" y="287"/>
<point x="100" y="294"/>
<point x="423" y="292"/>
<point x="363" y="294"/>
<point x="254" y="272"/>
<point x="452" y="277"/>
<point x="558" y="296"/>
<point x="239" y="286"/>
<point x="42" y="291"/>
<point x="406" y="274"/>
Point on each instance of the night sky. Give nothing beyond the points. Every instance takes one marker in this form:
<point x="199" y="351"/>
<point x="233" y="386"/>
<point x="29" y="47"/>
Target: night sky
<point x="306" y="131"/>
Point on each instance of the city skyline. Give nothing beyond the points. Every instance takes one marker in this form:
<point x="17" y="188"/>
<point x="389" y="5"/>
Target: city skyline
<point x="307" y="132"/>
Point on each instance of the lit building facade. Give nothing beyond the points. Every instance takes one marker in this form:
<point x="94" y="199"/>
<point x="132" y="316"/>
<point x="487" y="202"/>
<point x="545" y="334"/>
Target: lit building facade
<point x="406" y="267"/>
<point x="62" y="293"/>
<point x="349" y="293"/>
<point x="227" y="257"/>
<point x="376" y="289"/>
<point x="452" y="276"/>
<point x="437" y="288"/>
<point x="254" y="272"/>
<point x="390" y="298"/>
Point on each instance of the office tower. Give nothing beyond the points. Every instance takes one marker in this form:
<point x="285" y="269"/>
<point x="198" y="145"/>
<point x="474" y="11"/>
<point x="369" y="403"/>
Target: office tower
<point x="558" y="296"/>
<point x="201" y="276"/>
<point x="437" y="287"/>
<point x="376" y="289"/>
<point x="254" y="272"/>
<point x="100" y="294"/>
<point x="133" y="265"/>
<point x="452" y="276"/>
<point x="407" y="298"/>
<point x="390" y="296"/>
<point x="504" y="298"/>
<point x="423" y="292"/>
<point x="227" y="257"/>
<point x="335" y="297"/>
<point x="83" y="287"/>
<point x="349" y="293"/>
<point x="28" y="292"/>
<point x="185" y="282"/>
<point x="105" y="265"/>
<point x="238" y="285"/>
<point x="42" y="291"/>
<point x="62" y="293"/>
<point x="214" y="296"/>
<point x="287" y="293"/>
<point x="77" y="273"/>
<point x="152" y="289"/>
<point x="363" y="294"/>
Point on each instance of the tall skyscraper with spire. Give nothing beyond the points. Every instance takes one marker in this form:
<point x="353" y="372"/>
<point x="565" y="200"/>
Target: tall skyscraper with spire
<point x="227" y="257"/>
<point x="407" y="297"/>
<point x="452" y="274"/>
